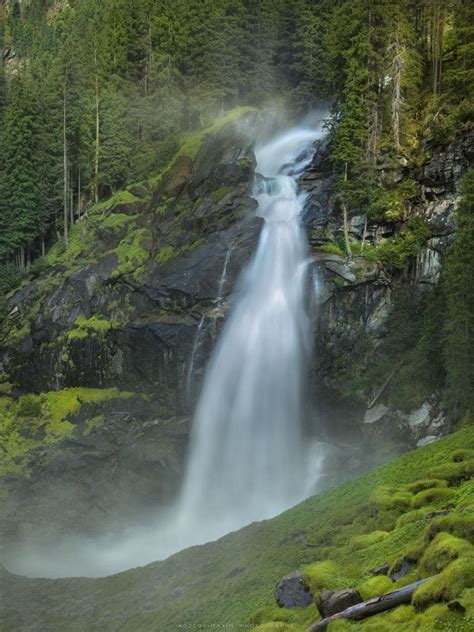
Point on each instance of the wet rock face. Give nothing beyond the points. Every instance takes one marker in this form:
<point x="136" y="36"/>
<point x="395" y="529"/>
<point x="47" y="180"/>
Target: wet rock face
<point x="357" y="298"/>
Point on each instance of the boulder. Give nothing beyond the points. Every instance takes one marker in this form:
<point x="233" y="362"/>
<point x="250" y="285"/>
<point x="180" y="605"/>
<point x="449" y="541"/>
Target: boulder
<point x="290" y="592"/>
<point x="330" y="602"/>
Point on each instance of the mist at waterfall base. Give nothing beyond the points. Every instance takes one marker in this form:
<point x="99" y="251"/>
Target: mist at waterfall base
<point x="248" y="457"/>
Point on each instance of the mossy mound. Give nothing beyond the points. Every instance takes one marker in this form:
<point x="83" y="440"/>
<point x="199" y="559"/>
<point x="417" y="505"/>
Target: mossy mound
<point x="39" y="421"/>
<point x="416" y="541"/>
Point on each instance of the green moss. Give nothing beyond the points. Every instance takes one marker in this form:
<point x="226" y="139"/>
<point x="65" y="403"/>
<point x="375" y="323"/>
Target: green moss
<point x="460" y="526"/>
<point x="425" y="483"/>
<point x="78" y="248"/>
<point x="449" y="584"/>
<point x="375" y="586"/>
<point x="442" y="550"/>
<point x="389" y="497"/>
<point x="453" y="472"/>
<point x="117" y="221"/>
<point x="85" y="327"/>
<point x="219" y="193"/>
<point x="190" y="143"/>
<point x="277" y="627"/>
<point x="121" y="197"/>
<point x="436" y="496"/>
<point x="131" y="253"/>
<point x="411" y="516"/>
<point x="368" y="539"/>
<point x="325" y="574"/>
<point x="93" y="424"/>
<point x="300" y="616"/>
<point x="332" y="248"/>
<point x="462" y="455"/>
<point x="339" y="626"/>
<point x="28" y="406"/>
<point x="36" y="421"/>
<point x="165" y="253"/>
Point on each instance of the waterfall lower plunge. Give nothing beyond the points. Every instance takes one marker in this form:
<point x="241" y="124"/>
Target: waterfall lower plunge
<point x="247" y="458"/>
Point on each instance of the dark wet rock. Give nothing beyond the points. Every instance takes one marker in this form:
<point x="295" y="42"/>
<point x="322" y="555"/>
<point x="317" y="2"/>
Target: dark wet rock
<point x="403" y="570"/>
<point x="290" y="592"/>
<point x="381" y="570"/>
<point x="456" y="606"/>
<point x="434" y="514"/>
<point x="330" y="602"/>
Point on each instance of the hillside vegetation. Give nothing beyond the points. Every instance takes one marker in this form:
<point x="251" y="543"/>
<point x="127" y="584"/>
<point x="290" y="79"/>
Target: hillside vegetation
<point x="380" y="517"/>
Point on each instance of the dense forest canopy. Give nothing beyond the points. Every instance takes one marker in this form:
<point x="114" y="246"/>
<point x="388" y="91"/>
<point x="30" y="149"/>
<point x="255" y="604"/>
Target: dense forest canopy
<point x="97" y="95"/>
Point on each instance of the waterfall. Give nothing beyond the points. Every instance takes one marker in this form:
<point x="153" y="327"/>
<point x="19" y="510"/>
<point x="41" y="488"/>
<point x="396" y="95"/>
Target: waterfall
<point x="196" y="345"/>
<point x="247" y="457"/>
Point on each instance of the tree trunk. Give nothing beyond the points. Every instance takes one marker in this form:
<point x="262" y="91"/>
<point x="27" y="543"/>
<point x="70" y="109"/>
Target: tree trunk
<point x="372" y="606"/>
<point x="79" y="210"/>
<point x="65" y="190"/>
<point x="397" y="66"/>
<point x="345" y="217"/>
<point x="97" y="141"/>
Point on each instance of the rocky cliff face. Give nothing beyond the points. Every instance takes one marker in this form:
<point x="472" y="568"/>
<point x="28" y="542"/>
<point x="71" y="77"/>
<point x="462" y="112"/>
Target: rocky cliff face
<point x="370" y="303"/>
<point x="116" y="331"/>
<point x="119" y="311"/>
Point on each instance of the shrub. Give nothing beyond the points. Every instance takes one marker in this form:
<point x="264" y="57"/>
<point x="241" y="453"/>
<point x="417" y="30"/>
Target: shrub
<point x="29" y="406"/>
<point x="453" y="472"/>
<point x="362" y="541"/>
<point x="375" y="586"/>
<point x="443" y="549"/>
<point x="387" y="497"/>
<point x="425" y="483"/>
<point x="323" y="575"/>
<point x="434" y="496"/>
<point x="460" y="526"/>
<point x="448" y="585"/>
<point x="411" y="516"/>
<point x="462" y="455"/>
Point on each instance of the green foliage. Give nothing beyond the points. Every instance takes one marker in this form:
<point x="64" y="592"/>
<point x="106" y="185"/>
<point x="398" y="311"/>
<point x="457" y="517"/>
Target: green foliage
<point x="391" y="204"/>
<point x="325" y="574"/>
<point x="449" y="584"/>
<point x="442" y="550"/>
<point x="453" y="472"/>
<point x="332" y="248"/>
<point x="395" y="251"/>
<point x="434" y="496"/>
<point x="35" y="421"/>
<point x="375" y="586"/>
<point x="28" y="406"/>
<point x="93" y="326"/>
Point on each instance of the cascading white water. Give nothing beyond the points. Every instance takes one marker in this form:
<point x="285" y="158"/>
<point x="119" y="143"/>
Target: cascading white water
<point x="248" y="460"/>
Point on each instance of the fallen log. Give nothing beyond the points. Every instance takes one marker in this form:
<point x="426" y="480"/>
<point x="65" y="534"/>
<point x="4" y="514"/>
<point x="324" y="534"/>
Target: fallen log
<point x="372" y="606"/>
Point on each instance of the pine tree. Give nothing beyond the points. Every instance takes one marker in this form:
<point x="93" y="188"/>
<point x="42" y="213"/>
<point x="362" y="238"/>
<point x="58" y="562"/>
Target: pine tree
<point x="459" y="283"/>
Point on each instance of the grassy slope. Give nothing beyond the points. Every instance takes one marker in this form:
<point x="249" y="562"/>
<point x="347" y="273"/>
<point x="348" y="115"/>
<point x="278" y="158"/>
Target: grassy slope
<point x="270" y="549"/>
<point x="194" y="586"/>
